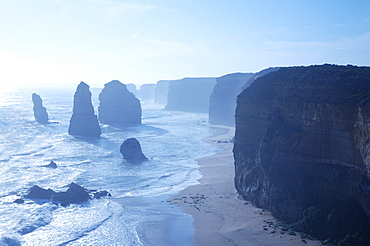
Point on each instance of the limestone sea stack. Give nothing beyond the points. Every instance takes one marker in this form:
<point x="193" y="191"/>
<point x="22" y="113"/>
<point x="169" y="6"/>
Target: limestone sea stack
<point x="83" y="121"/>
<point x="302" y="147"/>
<point x="39" y="110"/>
<point x="131" y="150"/>
<point x="118" y="105"/>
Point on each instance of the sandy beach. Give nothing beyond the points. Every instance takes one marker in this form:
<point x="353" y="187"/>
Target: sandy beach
<point x="221" y="217"/>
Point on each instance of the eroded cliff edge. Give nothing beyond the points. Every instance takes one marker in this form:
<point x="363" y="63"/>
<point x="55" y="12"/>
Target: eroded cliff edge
<point x="303" y="139"/>
<point x="222" y="101"/>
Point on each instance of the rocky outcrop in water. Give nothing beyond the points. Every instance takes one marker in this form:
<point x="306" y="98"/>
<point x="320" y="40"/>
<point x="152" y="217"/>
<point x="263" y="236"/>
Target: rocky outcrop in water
<point x="118" y="106"/>
<point x="52" y="164"/>
<point x="74" y="194"/>
<point x="131" y="150"/>
<point x="83" y="121"/>
<point x="161" y="92"/>
<point x="222" y="102"/>
<point x="39" y="110"/>
<point x="190" y="94"/>
<point x="302" y="144"/>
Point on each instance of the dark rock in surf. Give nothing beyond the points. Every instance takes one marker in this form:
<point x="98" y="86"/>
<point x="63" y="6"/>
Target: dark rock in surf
<point x="83" y="121"/>
<point x="131" y="150"/>
<point x="97" y="194"/>
<point x="118" y="105"/>
<point x="52" y="164"/>
<point x="74" y="194"/>
<point x="39" y="110"/>
<point x="35" y="192"/>
<point x="18" y="201"/>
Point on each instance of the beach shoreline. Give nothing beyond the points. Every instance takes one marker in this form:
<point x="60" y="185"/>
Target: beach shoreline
<point x="221" y="216"/>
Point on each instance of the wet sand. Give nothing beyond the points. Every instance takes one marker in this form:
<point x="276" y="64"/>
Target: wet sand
<point x="221" y="217"/>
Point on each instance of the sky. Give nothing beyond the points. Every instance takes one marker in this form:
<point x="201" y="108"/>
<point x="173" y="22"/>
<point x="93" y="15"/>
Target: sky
<point x="62" y="42"/>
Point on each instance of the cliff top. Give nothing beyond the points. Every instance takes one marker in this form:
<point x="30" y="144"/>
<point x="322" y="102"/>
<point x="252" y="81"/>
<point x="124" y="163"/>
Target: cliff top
<point x="314" y="84"/>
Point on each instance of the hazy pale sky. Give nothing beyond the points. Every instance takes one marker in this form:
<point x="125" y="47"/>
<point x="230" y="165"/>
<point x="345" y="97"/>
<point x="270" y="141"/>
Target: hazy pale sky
<point x="67" y="41"/>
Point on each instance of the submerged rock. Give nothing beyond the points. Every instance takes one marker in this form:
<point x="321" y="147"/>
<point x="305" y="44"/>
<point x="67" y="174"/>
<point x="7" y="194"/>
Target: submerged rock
<point x="118" y="105"/>
<point x="39" y="110"/>
<point x="83" y="121"/>
<point x="131" y="150"/>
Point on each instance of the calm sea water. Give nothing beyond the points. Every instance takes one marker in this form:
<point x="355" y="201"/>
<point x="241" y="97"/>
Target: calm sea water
<point x="136" y="214"/>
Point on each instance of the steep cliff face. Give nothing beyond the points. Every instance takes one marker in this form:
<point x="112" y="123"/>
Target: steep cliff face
<point x="83" y="121"/>
<point x="303" y="138"/>
<point x="222" y="102"/>
<point x="161" y="92"/>
<point x="118" y="105"/>
<point x="147" y="92"/>
<point x="190" y="94"/>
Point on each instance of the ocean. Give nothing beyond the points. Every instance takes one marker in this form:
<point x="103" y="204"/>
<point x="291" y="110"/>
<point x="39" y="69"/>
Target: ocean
<point x="137" y="213"/>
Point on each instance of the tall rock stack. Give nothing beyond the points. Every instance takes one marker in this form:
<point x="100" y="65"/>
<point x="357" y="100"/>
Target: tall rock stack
<point x="303" y="140"/>
<point x="39" y="111"/>
<point x="83" y="121"/>
<point x="118" y="105"/>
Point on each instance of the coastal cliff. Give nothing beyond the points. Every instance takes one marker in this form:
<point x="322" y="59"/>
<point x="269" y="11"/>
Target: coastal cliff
<point x="302" y="142"/>
<point x="222" y="102"/>
<point x="147" y="92"/>
<point x="190" y="94"/>
<point x="161" y="92"/>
